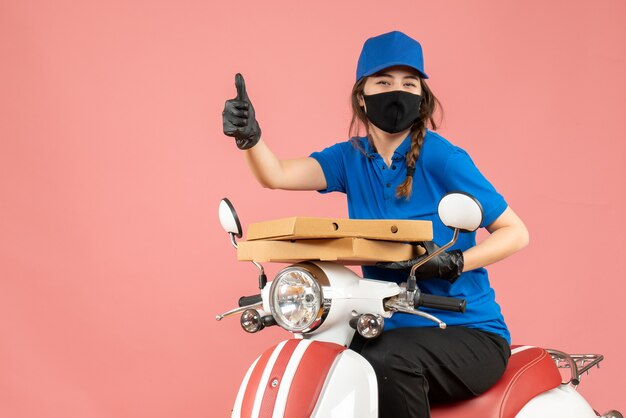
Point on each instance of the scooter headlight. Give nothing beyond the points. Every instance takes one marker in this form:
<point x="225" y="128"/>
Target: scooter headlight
<point x="296" y="300"/>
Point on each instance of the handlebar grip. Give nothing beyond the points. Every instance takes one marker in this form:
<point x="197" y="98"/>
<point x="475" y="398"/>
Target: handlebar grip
<point x="441" y="302"/>
<point x="249" y="300"/>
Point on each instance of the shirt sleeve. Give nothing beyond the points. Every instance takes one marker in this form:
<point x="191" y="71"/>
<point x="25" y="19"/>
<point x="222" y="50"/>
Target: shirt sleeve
<point x="333" y="165"/>
<point x="462" y="175"/>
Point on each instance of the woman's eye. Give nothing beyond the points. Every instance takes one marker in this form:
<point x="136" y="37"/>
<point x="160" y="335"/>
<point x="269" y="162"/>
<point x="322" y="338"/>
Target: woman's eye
<point x="382" y="82"/>
<point x="410" y="84"/>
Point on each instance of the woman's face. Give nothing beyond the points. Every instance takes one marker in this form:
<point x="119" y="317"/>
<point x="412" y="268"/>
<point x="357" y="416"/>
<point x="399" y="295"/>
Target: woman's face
<point x="392" y="78"/>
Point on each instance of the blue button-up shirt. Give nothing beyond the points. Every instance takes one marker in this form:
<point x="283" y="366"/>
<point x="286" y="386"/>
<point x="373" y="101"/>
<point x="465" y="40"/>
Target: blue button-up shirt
<point x="370" y="186"/>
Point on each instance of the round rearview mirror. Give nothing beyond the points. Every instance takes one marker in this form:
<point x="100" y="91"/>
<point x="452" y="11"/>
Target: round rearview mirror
<point x="461" y="211"/>
<point x="229" y="218"/>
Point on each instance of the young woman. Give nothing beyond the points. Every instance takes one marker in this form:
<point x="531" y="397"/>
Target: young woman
<point x="400" y="170"/>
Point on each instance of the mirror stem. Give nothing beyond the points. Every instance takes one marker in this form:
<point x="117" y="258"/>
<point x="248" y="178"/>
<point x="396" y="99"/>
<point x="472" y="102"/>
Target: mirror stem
<point x="436" y="253"/>
<point x="262" y="276"/>
<point x="232" y="239"/>
<point x="260" y="267"/>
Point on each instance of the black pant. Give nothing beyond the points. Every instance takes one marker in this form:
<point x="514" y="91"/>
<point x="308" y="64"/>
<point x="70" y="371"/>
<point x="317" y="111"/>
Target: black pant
<point x="418" y="366"/>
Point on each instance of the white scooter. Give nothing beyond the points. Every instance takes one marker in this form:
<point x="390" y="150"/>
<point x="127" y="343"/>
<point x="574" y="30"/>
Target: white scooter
<point x="323" y="304"/>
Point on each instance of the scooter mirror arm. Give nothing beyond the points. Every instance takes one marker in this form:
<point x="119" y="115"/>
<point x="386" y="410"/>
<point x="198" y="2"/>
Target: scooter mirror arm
<point x="236" y="311"/>
<point x="261" y="269"/>
<point x="436" y="253"/>
<point x="411" y="281"/>
<point x="233" y="241"/>
<point x="262" y="278"/>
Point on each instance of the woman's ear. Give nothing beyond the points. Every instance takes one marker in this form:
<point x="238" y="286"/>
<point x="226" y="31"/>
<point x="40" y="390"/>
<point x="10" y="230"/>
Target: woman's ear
<point x="360" y="100"/>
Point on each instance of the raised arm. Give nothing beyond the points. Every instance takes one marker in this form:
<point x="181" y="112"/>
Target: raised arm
<point x="294" y="174"/>
<point x="239" y="122"/>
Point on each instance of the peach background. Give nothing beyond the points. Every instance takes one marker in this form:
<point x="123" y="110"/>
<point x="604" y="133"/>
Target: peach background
<point x="112" y="163"/>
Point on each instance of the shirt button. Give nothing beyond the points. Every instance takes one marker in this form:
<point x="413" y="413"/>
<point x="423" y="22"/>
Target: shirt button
<point x="384" y="167"/>
<point x="393" y="167"/>
<point x="388" y="184"/>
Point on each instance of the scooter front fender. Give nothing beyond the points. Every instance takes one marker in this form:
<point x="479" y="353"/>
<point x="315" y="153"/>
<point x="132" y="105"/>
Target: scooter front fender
<point x="303" y="378"/>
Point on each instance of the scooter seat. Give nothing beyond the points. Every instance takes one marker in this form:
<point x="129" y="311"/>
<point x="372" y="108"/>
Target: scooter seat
<point x="530" y="371"/>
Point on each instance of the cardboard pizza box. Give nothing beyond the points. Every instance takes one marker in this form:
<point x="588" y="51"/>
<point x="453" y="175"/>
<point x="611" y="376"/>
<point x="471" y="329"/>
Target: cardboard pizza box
<point x="355" y="251"/>
<point x="299" y="228"/>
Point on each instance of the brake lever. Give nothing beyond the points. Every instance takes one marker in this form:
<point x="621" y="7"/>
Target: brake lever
<point x="236" y="311"/>
<point x="397" y="305"/>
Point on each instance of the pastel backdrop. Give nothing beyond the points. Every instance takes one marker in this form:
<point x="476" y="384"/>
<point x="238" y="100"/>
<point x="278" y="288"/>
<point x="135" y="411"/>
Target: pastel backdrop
<point x="112" y="162"/>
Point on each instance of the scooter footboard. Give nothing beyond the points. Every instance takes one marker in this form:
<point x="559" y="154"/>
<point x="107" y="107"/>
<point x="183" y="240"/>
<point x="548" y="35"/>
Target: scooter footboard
<point x="303" y="378"/>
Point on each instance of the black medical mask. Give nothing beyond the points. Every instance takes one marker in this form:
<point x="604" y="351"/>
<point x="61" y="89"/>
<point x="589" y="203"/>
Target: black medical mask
<point x="393" y="111"/>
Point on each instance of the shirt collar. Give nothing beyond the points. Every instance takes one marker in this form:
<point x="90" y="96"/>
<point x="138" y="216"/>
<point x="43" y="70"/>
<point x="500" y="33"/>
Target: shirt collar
<point x="403" y="148"/>
<point x="399" y="153"/>
<point x="365" y="143"/>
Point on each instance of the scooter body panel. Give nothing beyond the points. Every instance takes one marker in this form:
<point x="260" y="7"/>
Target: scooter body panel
<point x="236" y="412"/>
<point x="298" y="378"/>
<point x="561" y="402"/>
<point x="350" y="389"/>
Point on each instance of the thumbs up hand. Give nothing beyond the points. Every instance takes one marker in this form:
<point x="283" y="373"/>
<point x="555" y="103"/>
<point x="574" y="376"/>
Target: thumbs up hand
<point x="238" y="117"/>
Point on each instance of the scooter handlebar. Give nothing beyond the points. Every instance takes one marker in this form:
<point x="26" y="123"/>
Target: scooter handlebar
<point x="440" y="302"/>
<point x="250" y="300"/>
